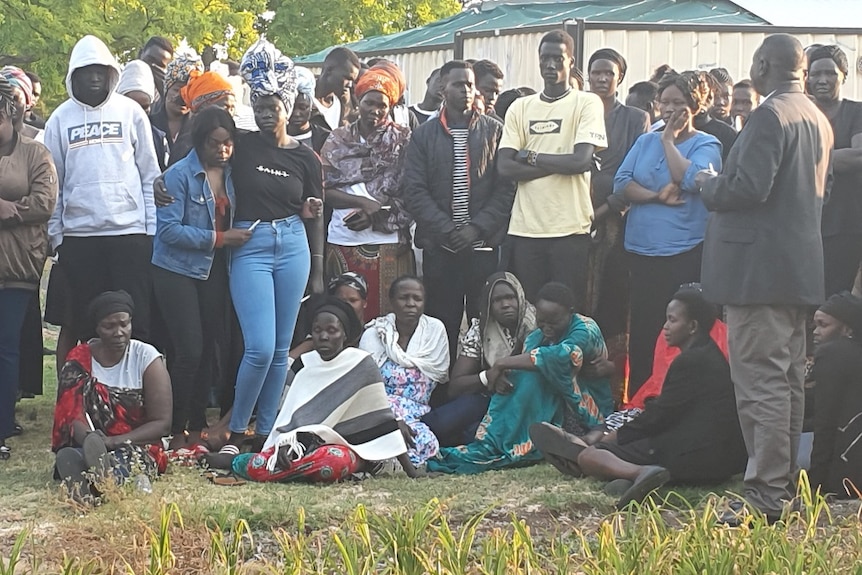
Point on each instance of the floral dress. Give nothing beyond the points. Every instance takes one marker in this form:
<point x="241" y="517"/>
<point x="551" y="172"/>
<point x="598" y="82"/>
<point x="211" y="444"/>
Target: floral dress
<point x="409" y="392"/>
<point x="547" y="394"/>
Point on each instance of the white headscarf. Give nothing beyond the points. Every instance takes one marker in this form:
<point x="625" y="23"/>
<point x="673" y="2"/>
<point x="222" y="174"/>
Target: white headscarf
<point x="305" y="82"/>
<point x="428" y="350"/>
<point x="137" y="77"/>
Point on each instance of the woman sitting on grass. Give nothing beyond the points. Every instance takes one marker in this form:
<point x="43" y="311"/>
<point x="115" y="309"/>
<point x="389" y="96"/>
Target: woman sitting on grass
<point x="335" y="415"/>
<point x="505" y="320"/>
<point x="836" y="459"/>
<point x="542" y="384"/>
<point x="411" y="350"/>
<point x="689" y="434"/>
<point x="114" y="395"/>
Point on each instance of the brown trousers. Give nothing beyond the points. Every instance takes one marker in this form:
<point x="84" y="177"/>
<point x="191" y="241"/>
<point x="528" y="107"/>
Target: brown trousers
<point x="767" y="364"/>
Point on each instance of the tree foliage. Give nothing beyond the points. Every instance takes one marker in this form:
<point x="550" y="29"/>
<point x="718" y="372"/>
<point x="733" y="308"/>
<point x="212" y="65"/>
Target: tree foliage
<point x="306" y="26"/>
<point x="40" y="34"/>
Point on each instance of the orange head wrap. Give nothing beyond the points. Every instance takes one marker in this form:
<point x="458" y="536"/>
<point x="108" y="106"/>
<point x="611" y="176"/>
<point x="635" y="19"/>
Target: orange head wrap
<point x="204" y="87"/>
<point x="384" y="77"/>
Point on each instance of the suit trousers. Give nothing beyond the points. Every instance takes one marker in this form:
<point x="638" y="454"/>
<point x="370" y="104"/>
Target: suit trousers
<point x="767" y="364"/>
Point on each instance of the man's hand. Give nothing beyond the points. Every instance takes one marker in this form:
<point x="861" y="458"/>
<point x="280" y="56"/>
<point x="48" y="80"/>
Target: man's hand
<point x="235" y="237"/>
<point x="358" y="220"/>
<point x="463" y="237"/>
<point x="670" y="195"/>
<point x="704" y="176"/>
<point x="160" y="192"/>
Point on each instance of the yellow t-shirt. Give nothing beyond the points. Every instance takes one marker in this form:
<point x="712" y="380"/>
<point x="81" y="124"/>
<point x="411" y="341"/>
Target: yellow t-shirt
<point x="557" y="205"/>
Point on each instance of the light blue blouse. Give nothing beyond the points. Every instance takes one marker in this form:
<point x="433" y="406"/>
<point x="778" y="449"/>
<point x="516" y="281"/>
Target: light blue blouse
<point x="657" y="229"/>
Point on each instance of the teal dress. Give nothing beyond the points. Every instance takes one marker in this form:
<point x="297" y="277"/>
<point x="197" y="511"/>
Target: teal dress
<point x="503" y="438"/>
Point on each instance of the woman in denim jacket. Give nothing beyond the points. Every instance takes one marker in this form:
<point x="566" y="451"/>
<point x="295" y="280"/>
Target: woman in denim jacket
<point x="190" y="267"/>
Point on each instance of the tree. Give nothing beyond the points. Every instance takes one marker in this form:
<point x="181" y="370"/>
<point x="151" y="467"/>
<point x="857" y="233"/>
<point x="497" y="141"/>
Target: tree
<point x="302" y="27"/>
<point x="39" y="34"/>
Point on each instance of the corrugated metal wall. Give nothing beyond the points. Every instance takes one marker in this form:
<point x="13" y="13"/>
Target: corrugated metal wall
<point x="645" y="50"/>
<point x="686" y="50"/>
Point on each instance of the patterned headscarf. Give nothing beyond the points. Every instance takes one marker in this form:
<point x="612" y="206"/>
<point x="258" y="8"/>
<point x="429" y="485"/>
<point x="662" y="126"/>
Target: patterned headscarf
<point x="180" y="68"/>
<point x="268" y="72"/>
<point x="203" y="88"/>
<point x="18" y="78"/>
<point x="305" y="81"/>
<point x="383" y="77"/>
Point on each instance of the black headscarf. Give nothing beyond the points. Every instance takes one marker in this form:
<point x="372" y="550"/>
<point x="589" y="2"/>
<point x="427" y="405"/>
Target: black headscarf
<point x="846" y="308"/>
<point x="340" y="309"/>
<point x="108" y="303"/>
<point x="612" y="56"/>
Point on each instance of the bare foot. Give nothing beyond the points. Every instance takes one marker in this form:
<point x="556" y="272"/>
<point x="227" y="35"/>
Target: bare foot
<point x="178" y="441"/>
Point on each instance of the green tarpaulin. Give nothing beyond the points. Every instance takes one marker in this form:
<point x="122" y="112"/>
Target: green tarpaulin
<point x="508" y="16"/>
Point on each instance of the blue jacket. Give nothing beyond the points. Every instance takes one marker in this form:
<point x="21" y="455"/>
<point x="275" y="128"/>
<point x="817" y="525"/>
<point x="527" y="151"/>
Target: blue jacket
<point x="185" y="230"/>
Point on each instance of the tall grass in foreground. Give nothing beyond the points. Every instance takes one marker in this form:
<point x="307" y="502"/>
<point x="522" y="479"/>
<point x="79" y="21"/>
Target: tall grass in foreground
<point x="644" y="540"/>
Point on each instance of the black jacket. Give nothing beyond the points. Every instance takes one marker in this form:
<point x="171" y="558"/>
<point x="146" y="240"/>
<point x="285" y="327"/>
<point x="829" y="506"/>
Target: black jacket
<point x="693" y="425"/>
<point x="837" y="452"/>
<point x="429" y="162"/>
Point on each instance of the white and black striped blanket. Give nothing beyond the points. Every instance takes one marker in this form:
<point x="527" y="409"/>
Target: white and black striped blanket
<point x="342" y="401"/>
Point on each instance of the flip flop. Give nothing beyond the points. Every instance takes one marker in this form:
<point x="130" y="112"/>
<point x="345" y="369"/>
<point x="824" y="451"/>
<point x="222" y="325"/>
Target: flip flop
<point x="648" y="480"/>
<point x="96" y="455"/>
<point x="559" y="448"/>
<point x="228" y="480"/>
<point x="72" y="470"/>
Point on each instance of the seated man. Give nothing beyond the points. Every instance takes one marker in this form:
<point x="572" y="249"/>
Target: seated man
<point x="114" y="396"/>
<point x="335" y="415"/>
<point x="505" y="320"/>
<point x="836" y="460"/>
<point x="689" y="434"/>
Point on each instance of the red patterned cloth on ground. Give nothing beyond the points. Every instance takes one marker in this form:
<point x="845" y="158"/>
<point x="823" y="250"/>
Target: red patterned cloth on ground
<point x="326" y="464"/>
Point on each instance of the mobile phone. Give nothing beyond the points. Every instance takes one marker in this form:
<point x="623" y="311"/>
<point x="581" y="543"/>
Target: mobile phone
<point x="254" y="225"/>
<point x="352" y="216"/>
<point x="385" y="208"/>
<point x="305" y="298"/>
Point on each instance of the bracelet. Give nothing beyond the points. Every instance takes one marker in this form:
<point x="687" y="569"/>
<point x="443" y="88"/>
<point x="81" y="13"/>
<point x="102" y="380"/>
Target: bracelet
<point x="483" y="377"/>
<point x="532" y="157"/>
<point x="317" y="255"/>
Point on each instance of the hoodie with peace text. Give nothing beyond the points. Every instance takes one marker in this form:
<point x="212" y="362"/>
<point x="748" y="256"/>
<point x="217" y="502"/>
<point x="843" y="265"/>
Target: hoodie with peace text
<point x="104" y="156"/>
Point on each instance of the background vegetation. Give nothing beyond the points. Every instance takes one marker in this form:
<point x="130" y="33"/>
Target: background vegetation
<point x="39" y="34"/>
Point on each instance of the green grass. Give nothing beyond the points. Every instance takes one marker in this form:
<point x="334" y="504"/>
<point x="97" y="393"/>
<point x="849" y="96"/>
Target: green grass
<point x="529" y="519"/>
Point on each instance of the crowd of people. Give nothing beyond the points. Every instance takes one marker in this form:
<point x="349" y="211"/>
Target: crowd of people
<point x="475" y="282"/>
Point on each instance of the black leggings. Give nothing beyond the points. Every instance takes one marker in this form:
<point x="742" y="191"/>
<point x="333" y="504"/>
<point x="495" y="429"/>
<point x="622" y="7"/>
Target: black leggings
<point x="194" y="312"/>
<point x="654" y="280"/>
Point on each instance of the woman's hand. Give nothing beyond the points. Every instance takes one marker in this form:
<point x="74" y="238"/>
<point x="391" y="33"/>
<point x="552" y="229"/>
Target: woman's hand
<point x="677" y="123"/>
<point x="160" y="192"/>
<point x="408" y="433"/>
<point x="235" y="237"/>
<point x="670" y="195"/>
<point x="498" y="382"/>
<point x="8" y="211"/>
<point x="358" y="220"/>
<point x="312" y="208"/>
<point x="598" y="368"/>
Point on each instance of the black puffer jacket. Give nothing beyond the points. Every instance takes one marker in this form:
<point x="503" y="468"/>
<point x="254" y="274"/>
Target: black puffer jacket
<point x="427" y="182"/>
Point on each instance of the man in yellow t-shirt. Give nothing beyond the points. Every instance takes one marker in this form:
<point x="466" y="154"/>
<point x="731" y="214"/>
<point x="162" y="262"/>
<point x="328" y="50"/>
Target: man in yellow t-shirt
<point x="547" y="147"/>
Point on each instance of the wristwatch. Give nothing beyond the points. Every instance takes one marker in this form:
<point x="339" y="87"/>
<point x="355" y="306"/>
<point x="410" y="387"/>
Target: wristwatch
<point x="523" y="156"/>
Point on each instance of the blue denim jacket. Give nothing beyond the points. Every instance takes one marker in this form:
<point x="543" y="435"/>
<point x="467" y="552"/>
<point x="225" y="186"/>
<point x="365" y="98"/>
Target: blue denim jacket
<point x="185" y="230"/>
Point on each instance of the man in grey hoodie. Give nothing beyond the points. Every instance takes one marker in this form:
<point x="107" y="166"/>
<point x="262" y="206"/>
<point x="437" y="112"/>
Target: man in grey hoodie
<point x="105" y="217"/>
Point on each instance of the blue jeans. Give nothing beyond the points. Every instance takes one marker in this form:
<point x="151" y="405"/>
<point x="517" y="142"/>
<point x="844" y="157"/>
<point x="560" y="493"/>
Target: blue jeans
<point x="13" y="306"/>
<point x="268" y="276"/>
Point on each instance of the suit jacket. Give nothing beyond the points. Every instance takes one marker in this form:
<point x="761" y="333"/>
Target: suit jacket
<point x="693" y="425"/>
<point x="763" y="244"/>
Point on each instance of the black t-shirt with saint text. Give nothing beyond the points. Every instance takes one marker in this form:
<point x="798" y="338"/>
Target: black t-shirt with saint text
<point x="272" y="183"/>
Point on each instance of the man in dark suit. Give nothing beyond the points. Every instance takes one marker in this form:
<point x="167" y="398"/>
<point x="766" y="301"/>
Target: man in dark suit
<point x="763" y="260"/>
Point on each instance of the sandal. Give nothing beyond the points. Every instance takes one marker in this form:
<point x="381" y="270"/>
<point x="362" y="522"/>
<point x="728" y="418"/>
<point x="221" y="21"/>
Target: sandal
<point x="226" y="479"/>
<point x="5" y="452"/>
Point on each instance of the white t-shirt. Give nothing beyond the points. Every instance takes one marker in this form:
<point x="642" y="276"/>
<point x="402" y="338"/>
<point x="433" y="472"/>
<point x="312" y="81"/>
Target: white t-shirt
<point x="340" y="235"/>
<point x="129" y="373"/>
<point x="332" y="114"/>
